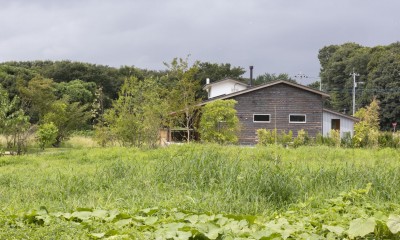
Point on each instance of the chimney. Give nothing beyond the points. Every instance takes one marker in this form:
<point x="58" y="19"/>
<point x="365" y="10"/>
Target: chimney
<point x="207" y="81"/>
<point x="251" y="76"/>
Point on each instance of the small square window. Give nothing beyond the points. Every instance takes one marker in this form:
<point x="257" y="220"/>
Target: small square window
<point x="297" y="118"/>
<point x="261" y="117"/>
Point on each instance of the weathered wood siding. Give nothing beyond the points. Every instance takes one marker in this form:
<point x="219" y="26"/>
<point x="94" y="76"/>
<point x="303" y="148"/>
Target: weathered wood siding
<point x="279" y="101"/>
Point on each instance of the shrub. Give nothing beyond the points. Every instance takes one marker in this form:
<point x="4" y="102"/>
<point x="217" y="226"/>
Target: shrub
<point x="46" y="135"/>
<point x="219" y="122"/>
<point x="285" y="138"/>
<point x="334" y="136"/>
<point x="302" y="138"/>
<point x="347" y="140"/>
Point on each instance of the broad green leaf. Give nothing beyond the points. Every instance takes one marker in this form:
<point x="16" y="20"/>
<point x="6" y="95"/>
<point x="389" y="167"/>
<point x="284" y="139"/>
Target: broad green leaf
<point x="263" y="234"/>
<point x="192" y="218"/>
<point x="179" y="216"/>
<point x="151" y="220"/>
<point x="101" y="214"/>
<point x="150" y="211"/>
<point x="123" y="222"/>
<point x="67" y="216"/>
<point x="84" y="215"/>
<point x="360" y="227"/>
<point x="84" y="209"/>
<point x="97" y="235"/>
<point x="335" y="229"/>
<point x="210" y="230"/>
<point x="113" y="214"/>
<point x="393" y="223"/>
<point x="183" y="235"/>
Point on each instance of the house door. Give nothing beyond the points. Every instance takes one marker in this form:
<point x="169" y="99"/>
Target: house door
<point x="335" y="124"/>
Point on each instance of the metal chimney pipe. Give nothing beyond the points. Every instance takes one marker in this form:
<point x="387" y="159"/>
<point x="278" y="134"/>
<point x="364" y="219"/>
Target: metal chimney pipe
<point x="251" y="76"/>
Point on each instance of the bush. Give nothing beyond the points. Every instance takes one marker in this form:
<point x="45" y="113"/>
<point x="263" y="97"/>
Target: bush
<point x="389" y="139"/>
<point x="46" y="135"/>
<point x="302" y="138"/>
<point x="334" y="136"/>
<point x="347" y="140"/>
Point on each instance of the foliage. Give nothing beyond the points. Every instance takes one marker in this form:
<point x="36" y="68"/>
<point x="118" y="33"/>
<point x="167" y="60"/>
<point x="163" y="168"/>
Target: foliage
<point x="215" y="71"/>
<point x="46" y="134"/>
<point x="268" y="77"/>
<point x="301" y="139"/>
<point x="103" y="135"/>
<point x="177" y="192"/>
<point x="76" y="91"/>
<point x="219" y="122"/>
<point x="14" y="124"/>
<point x="138" y="114"/>
<point x="67" y="117"/>
<point x="389" y="139"/>
<point x="181" y="96"/>
<point x="343" y="217"/>
<point x="334" y="135"/>
<point x="267" y="137"/>
<point x="366" y="131"/>
<point x="37" y="97"/>
<point x="378" y="71"/>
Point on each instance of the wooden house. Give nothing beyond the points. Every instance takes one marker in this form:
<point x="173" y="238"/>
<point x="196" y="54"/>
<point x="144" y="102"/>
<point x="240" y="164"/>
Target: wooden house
<point x="280" y="105"/>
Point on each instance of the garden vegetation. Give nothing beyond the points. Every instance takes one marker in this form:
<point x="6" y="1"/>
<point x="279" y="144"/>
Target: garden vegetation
<point x="201" y="191"/>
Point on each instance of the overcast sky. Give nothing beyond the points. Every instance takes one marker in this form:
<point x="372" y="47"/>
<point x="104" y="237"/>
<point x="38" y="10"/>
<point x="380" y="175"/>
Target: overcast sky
<point x="276" y="36"/>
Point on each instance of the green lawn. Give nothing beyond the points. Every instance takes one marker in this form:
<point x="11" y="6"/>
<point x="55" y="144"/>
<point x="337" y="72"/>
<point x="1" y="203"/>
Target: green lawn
<point x="194" y="178"/>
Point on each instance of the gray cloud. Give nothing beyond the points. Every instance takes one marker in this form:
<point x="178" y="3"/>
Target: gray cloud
<point x="275" y="36"/>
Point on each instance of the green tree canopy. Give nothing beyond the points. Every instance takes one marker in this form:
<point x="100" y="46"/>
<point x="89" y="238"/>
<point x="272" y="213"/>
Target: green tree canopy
<point x="379" y="74"/>
<point x="219" y="122"/>
<point x="268" y="77"/>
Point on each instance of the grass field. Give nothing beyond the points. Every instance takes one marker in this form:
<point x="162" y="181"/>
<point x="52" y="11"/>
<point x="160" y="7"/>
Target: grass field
<point x="208" y="179"/>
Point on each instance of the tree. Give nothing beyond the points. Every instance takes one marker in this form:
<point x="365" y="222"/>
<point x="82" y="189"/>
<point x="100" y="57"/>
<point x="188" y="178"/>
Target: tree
<point x="46" y="135"/>
<point x="378" y="69"/>
<point x="14" y="124"/>
<point x="76" y="91"/>
<point x="216" y="72"/>
<point x="219" y="122"/>
<point x="37" y="97"/>
<point x="138" y="113"/>
<point x="184" y="103"/>
<point x="366" y="131"/>
<point x="67" y="117"/>
<point x="268" y="77"/>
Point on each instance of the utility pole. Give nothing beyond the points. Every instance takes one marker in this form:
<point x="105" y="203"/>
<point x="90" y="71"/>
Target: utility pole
<point x="354" y="89"/>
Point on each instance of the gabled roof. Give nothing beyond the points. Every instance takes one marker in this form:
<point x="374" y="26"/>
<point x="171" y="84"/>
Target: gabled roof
<point x="341" y="114"/>
<point x="223" y="80"/>
<point x="270" y="84"/>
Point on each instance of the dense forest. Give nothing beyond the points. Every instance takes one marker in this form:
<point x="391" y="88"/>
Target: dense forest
<point x="76" y="96"/>
<point x="132" y="103"/>
<point x="378" y="76"/>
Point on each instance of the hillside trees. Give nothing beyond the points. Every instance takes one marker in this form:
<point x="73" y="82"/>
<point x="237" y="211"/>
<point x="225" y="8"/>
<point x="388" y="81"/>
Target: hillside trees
<point x="37" y="97"/>
<point x="378" y="69"/>
<point x="215" y="72"/>
<point x="268" y="77"/>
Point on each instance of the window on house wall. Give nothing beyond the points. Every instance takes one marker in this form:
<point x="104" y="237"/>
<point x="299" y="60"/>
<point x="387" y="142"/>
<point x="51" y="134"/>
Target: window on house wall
<point x="262" y="118"/>
<point x="297" y="118"/>
<point x="335" y="124"/>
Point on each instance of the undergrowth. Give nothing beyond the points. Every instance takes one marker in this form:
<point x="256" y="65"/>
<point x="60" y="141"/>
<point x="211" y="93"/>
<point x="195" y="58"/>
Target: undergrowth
<point x="203" y="179"/>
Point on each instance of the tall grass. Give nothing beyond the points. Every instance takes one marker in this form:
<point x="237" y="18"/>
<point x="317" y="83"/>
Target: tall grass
<point x="206" y="178"/>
